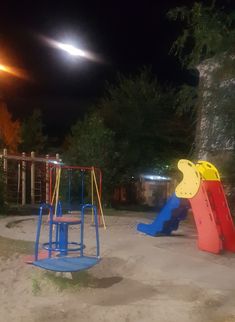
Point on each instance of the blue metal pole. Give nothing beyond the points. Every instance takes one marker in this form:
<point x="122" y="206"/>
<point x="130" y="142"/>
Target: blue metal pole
<point x="38" y="234"/>
<point x="96" y="232"/>
<point x="63" y="239"/>
<point x="50" y="232"/>
<point x="82" y="230"/>
<point x="82" y="201"/>
<point x="59" y="210"/>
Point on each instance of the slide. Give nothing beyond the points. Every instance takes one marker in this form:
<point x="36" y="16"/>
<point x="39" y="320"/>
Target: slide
<point x="213" y="189"/>
<point x="222" y="213"/>
<point x="201" y="185"/>
<point x="168" y="219"/>
<point x="208" y="228"/>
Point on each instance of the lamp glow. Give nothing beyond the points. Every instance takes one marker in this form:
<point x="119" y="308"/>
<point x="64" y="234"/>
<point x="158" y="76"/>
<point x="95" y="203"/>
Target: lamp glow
<point x="13" y="71"/>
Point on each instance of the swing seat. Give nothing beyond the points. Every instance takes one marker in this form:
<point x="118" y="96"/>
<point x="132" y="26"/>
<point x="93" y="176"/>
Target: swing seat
<point x="67" y="264"/>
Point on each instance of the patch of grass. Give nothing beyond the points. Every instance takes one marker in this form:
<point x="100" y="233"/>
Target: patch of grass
<point x="36" y="288"/>
<point x="12" y="246"/>
<point x="78" y="280"/>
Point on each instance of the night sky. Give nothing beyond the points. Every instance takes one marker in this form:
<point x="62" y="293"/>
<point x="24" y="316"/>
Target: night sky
<point x="126" y="34"/>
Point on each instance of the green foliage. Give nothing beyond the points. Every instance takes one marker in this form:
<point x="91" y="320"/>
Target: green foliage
<point x="134" y="129"/>
<point x="78" y="280"/>
<point x="92" y="144"/>
<point x="36" y="288"/>
<point x="32" y="135"/>
<point x="207" y="31"/>
<point x="186" y="102"/>
<point x="141" y="113"/>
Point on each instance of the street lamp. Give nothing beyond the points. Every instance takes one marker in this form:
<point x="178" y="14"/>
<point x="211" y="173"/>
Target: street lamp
<point x="13" y="71"/>
<point x="4" y="68"/>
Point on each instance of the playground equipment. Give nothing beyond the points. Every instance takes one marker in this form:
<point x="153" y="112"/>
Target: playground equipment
<point x="76" y="191"/>
<point x="202" y="187"/>
<point x="59" y="253"/>
<point x="26" y="177"/>
<point x="168" y="219"/>
<point x="62" y="254"/>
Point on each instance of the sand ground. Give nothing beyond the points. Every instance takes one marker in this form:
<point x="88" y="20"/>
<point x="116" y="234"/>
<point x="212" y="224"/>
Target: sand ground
<point x="140" y="278"/>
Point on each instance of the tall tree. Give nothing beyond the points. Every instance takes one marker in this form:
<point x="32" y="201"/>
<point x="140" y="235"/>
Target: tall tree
<point x="206" y="43"/>
<point x="32" y="135"/>
<point x="10" y="137"/>
<point x="207" y="31"/>
<point x="92" y="144"/>
<point x="141" y="113"/>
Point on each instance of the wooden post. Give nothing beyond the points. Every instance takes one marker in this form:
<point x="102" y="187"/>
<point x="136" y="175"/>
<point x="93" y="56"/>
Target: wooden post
<point x="32" y="178"/>
<point x="23" y="201"/>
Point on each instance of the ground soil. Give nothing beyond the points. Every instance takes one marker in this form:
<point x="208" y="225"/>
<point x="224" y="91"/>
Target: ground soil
<point x="140" y="278"/>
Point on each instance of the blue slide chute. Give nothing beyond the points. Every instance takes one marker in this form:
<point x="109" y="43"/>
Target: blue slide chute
<point x="167" y="220"/>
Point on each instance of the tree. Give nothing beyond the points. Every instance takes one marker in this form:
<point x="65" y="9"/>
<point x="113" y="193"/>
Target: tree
<point x="32" y="135"/>
<point x="207" y="31"/>
<point x="10" y="136"/>
<point x="206" y="43"/>
<point x="141" y="113"/>
<point x="92" y="144"/>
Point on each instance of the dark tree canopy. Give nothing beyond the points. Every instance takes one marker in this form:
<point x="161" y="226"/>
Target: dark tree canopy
<point x="141" y="113"/>
<point x="132" y="130"/>
<point x="92" y="144"/>
<point x="207" y="31"/>
<point x="32" y="135"/>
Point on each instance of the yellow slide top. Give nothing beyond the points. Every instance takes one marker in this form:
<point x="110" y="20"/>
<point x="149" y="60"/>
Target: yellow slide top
<point x="190" y="184"/>
<point x="207" y="171"/>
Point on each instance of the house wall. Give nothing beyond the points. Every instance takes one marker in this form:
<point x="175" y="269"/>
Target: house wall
<point x="151" y="193"/>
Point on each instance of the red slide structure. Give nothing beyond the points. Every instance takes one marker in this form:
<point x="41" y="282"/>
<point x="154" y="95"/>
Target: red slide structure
<point x="201" y="185"/>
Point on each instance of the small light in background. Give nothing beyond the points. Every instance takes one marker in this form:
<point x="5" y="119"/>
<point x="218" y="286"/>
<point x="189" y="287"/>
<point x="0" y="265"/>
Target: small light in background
<point x="153" y="177"/>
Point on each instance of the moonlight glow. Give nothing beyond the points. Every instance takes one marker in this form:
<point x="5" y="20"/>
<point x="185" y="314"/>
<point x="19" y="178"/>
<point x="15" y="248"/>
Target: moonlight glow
<point x="72" y="50"/>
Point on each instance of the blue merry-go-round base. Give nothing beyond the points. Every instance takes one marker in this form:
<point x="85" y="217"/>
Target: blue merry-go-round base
<point x="67" y="264"/>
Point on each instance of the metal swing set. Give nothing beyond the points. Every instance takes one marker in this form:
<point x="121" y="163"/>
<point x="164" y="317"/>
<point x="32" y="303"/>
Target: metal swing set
<point x="59" y="253"/>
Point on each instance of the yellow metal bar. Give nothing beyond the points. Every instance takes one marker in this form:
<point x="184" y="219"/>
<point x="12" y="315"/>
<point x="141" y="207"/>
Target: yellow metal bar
<point x="54" y="191"/>
<point x="55" y="187"/>
<point x="98" y="196"/>
<point x="57" y="191"/>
